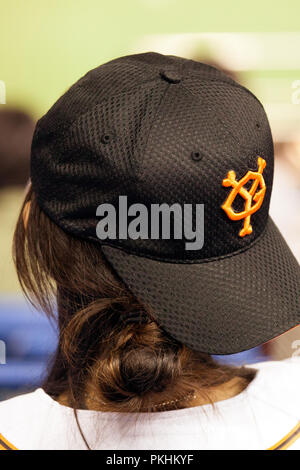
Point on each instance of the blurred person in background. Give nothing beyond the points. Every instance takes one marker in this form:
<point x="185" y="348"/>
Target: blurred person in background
<point x="140" y="319"/>
<point x="287" y="188"/>
<point x="16" y="131"/>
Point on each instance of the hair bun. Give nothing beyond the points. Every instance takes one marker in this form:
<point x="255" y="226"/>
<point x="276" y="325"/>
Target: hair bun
<point x="141" y="364"/>
<point x="143" y="369"/>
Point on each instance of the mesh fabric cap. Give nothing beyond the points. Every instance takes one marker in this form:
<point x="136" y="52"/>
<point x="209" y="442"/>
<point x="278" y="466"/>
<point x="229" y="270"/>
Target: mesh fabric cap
<point x="131" y="127"/>
<point x="223" y="306"/>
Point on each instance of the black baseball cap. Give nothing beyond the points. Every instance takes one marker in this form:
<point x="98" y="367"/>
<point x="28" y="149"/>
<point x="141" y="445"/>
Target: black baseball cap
<point x="161" y="129"/>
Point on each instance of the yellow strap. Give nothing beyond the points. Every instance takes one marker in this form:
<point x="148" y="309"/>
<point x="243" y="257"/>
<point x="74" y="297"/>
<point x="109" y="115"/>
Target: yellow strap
<point x="5" y="445"/>
<point x="287" y="440"/>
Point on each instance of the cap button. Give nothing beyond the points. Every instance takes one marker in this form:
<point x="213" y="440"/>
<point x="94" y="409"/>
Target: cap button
<point x="170" y="76"/>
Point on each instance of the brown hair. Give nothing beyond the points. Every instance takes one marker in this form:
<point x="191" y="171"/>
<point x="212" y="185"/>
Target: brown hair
<point x="103" y="361"/>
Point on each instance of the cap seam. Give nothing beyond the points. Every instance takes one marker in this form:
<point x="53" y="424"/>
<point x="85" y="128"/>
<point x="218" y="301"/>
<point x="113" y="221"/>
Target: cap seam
<point x="235" y="138"/>
<point x="225" y="127"/>
<point x="70" y="124"/>
<point x="233" y="84"/>
<point x="138" y="167"/>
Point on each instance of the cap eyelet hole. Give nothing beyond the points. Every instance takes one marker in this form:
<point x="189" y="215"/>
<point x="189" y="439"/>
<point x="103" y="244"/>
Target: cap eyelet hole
<point x="105" y="139"/>
<point x="196" y="156"/>
<point x="258" y="125"/>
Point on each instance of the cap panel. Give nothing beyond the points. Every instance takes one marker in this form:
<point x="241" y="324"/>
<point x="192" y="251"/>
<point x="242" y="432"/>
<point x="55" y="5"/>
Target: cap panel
<point x="75" y="171"/>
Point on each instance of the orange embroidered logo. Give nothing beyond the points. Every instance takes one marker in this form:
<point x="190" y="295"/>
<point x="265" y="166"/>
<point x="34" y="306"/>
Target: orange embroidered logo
<point x="249" y="196"/>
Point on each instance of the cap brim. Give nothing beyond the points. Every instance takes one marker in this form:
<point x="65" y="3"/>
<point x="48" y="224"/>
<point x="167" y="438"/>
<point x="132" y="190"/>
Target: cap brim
<point x="221" y="306"/>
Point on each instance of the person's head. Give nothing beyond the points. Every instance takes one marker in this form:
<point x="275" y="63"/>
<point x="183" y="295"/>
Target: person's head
<point x="149" y="228"/>
<point x="112" y="354"/>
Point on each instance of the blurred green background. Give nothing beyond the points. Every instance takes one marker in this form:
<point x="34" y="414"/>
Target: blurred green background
<point x="46" y="45"/>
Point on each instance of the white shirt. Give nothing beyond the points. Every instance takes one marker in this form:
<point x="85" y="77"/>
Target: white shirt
<point x="265" y="413"/>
